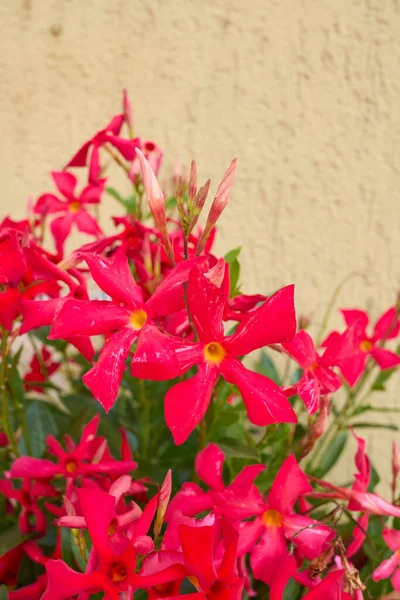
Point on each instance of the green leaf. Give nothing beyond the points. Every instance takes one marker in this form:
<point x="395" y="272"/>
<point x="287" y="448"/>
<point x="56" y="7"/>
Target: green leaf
<point x="128" y="203"/>
<point x="369" y="407"/>
<point x="265" y="366"/>
<point x="9" y="539"/>
<point x="376" y="426"/>
<point x="3" y="593"/>
<point x="234" y="270"/>
<point x="331" y="455"/>
<point x="233" y="449"/>
<point x="40" y="423"/>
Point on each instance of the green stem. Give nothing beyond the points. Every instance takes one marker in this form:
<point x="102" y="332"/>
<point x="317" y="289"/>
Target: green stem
<point x="21" y="418"/>
<point x="4" y="400"/>
<point x="146" y="413"/>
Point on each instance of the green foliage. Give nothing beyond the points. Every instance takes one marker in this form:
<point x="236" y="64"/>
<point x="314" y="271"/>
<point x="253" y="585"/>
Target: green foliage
<point x="234" y="270"/>
<point x="331" y="454"/>
<point x="10" y="539"/>
<point x="40" y="423"/>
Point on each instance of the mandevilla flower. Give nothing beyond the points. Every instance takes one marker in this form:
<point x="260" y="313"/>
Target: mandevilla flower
<point x="123" y="320"/>
<point x="159" y="357"/>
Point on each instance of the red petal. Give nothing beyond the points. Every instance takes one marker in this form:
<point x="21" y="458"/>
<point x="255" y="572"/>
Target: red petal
<point x="98" y="508"/>
<point x="352" y="368"/>
<point x="190" y="501"/>
<point x="60" y="228"/>
<point x="186" y="402"/>
<point x="114" y="277"/>
<point x="206" y="306"/>
<point x="289" y="483"/>
<point x="9" y="305"/>
<point x="264" y="400"/>
<point x="386" y="568"/>
<point x="392" y="538"/>
<point x="197" y="546"/>
<point x="307" y="534"/>
<point x="33" y="468"/>
<point x="87" y="317"/>
<point x="385" y="358"/>
<point x="209" y="465"/>
<point x="86" y="223"/>
<point x="302" y="349"/>
<point x="387" y="326"/>
<point x="169" y="295"/>
<point x="125" y="147"/>
<point x="79" y="159"/>
<point x="12" y="262"/>
<point x="310" y="392"/>
<point x="63" y="582"/>
<point x="273" y="322"/>
<point x="65" y="183"/>
<point x="38" y="313"/>
<point x="268" y="554"/>
<point x="155" y="357"/>
<point x="356" y="317"/>
<point x="104" y="378"/>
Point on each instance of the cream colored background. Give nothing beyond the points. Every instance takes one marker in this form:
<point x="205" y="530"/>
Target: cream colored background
<point x="304" y="92"/>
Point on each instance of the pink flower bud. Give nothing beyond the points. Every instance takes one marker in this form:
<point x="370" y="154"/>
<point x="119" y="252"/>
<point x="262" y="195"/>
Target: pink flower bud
<point x="163" y="499"/>
<point x="127" y="110"/>
<point x="219" y="203"/>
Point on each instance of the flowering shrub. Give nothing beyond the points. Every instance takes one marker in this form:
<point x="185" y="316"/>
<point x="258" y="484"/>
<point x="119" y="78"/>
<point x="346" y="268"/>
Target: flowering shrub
<point x="140" y="457"/>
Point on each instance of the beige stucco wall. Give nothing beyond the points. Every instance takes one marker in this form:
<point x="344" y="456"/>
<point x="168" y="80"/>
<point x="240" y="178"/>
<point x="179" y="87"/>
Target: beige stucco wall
<point x="304" y="92"/>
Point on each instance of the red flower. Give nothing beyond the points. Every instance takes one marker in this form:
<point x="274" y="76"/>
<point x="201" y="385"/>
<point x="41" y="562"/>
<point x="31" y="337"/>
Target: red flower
<point x="159" y="356"/>
<point x="77" y="462"/>
<point x="387" y="327"/>
<point x="114" y="572"/>
<point x="239" y="500"/>
<point x="122" y="320"/>
<point x="40" y="371"/>
<point x="73" y="208"/>
<point x="28" y="497"/>
<point x="278" y="523"/>
<point x="318" y="378"/>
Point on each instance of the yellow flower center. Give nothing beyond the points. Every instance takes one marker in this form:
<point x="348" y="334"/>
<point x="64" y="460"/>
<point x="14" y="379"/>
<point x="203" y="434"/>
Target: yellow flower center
<point x="214" y="353"/>
<point x="71" y="465"/>
<point x="74" y="206"/>
<point x="112" y="528"/>
<point x="118" y="572"/>
<point x="272" y="518"/>
<point x="138" y="318"/>
<point x="366" y="346"/>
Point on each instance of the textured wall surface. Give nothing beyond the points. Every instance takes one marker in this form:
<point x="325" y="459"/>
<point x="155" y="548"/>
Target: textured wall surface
<point x="304" y="92"/>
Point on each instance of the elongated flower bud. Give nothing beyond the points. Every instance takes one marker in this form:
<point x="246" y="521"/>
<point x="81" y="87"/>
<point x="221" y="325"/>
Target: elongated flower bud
<point x="219" y="203"/>
<point x="127" y="112"/>
<point x="156" y="201"/>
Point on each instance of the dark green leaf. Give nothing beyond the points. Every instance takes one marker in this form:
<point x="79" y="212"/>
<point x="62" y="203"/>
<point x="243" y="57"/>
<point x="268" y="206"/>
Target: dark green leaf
<point x="9" y="539"/>
<point x="332" y="454"/>
<point x="40" y="423"/>
<point x="266" y="367"/>
<point x="3" y="593"/>
<point x="234" y="270"/>
<point x="233" y="449"/>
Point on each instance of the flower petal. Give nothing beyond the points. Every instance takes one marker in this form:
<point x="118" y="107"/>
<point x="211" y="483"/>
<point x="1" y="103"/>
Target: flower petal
<point x="328" y="589"/>
<point x="206" y="305"/>
<point x="352" y="368"/>
<point x="33" y="468"/>
<point x="114" y="277"/>
<point x="289" y="483"/>
<point x="197" y="546"/>
<point x="104" y="378"/>
<point x="65" y="182"/>
<point x="302" y="349"/>
<point x="63" y="582"/>
<point x="392" y="538"/>
<point x="209" y="465"/>
<point x="190" y="501"/>
<point x="60" y="228"/>
<point x="358" y="318"/>
<point x="307" y="534"/>
<point x="385" y="358"/>
<point x="387" y="326"/>
<point x="273" y="322"/>
<point x="87" y="317"/>
<point x="186" y="402"/>
<point x="86" y="223"/>
<point x="270" y="551"/>
<point x="98" y="509"/>
<point x="264" y="400"/>
<point x="386" y="568"/>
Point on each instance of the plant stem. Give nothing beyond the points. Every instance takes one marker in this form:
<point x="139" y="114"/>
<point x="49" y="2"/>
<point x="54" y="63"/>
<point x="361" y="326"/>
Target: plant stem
<point x="4" y="400"/>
